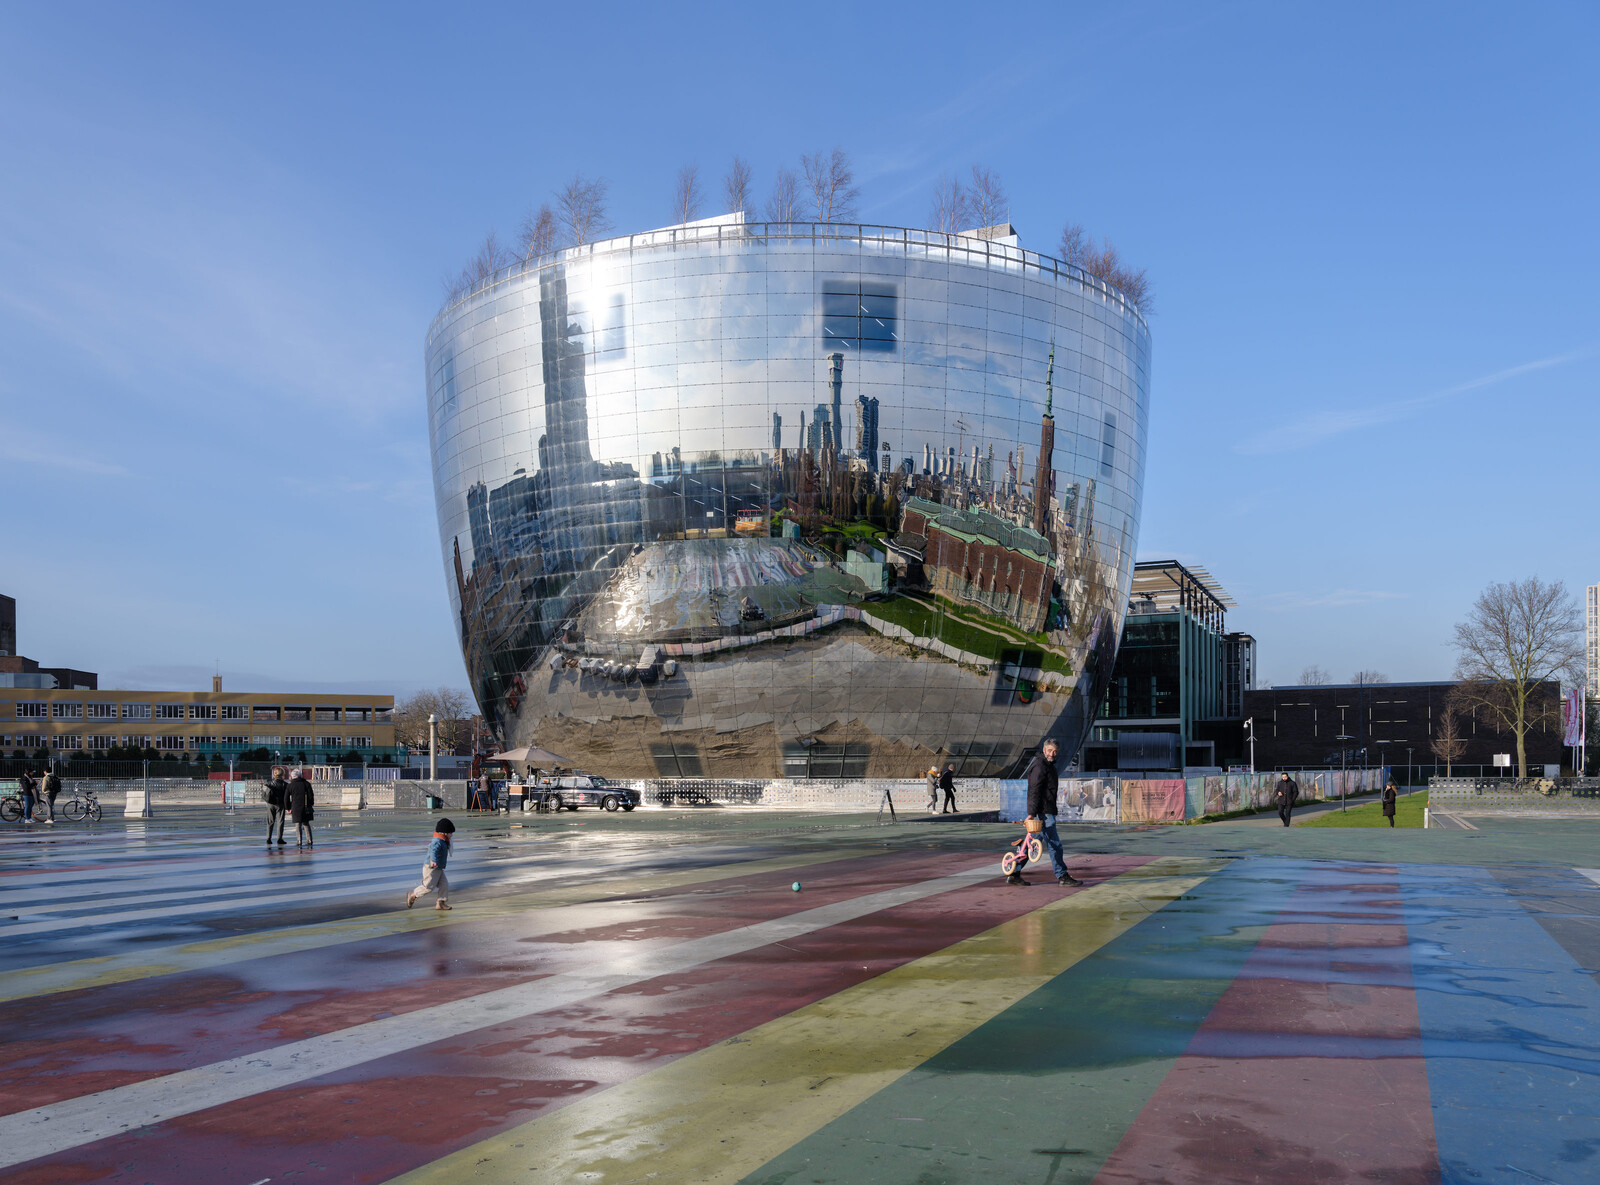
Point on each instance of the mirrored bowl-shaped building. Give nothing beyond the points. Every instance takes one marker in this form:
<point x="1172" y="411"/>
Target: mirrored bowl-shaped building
<point x="761" y="500"/>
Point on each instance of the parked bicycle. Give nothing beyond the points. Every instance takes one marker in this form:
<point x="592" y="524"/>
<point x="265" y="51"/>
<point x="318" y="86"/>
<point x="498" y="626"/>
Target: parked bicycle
<point x="11" y="807"/>
<point x="83" y="804"/>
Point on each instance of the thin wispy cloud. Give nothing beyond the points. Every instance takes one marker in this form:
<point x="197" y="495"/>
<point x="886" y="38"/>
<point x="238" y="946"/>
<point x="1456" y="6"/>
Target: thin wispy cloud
<point x="1322" y="425"/>
<point x="1335" y="598"/>
<point x="22" y="446"/>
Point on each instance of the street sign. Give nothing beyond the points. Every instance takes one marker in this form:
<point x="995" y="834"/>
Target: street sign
<point x="1503" y="760"/>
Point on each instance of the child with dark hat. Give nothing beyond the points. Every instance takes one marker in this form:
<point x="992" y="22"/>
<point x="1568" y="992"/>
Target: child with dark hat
<point x="433" y="878"/>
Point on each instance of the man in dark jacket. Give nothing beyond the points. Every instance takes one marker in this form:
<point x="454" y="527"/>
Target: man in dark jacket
<point x="47" y="793"/>
<point x="277" y="791"/>
<point x="947" y="783"/>
<point x="300" y="800"/>
<point x="29" y="789"/>
<point x="1043" y="782"/>
<point x="1286" y="795"/>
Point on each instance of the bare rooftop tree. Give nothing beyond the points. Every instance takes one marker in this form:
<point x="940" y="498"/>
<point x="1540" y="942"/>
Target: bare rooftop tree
<point x="831" y="183"/>
<point x="480" y="269"/>
<point x="539" y="233"/>
<point x="950" y="212"/>
<point x="686" y="198"/>
<point x="1075" y="245"/>
<point x="1103" y="262"/>
<point x="1363" y="677"/>
<point x="1518" y="635"/>
<point x="581" y="209"/>
<point x="736" y="186"/>
<point x="784" y="204"/>
<point x="1314" y="676"/>
<point x="987" y="198"/>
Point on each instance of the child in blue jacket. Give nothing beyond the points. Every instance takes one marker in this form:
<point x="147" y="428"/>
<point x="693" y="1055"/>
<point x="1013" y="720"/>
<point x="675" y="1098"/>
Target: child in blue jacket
<point x="433" y="878"/>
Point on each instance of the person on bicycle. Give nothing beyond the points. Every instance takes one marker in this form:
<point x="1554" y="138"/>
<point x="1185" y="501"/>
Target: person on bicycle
<point x="1043" y="783"/>
<point x="47" y="794"/>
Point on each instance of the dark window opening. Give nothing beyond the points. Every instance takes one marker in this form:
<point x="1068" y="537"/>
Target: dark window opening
<point x="860" y="315"/>
<point x="677" y="760"/>
<point x="824" y="761"/>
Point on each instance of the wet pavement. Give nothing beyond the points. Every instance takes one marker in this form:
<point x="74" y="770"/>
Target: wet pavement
<point x="648" y="998"/>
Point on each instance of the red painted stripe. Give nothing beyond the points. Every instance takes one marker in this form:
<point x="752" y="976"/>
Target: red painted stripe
<point x="77" y="1043"/>
<point x="1310" y="1066"/>
<point x="396" y="1113"/>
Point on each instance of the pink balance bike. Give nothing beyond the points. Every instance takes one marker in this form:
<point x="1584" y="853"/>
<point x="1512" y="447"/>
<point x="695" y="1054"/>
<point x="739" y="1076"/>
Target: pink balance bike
<point x="1027" y="849"/>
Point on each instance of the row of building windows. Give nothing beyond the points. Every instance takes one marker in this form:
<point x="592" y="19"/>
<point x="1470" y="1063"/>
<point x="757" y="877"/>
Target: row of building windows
<point x="95" y="710"/>
<point x="74" y="741"/>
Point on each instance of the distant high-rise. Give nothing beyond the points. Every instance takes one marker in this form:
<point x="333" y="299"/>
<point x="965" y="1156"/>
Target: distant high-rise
<point x="1044" y="477"/>
<point x="867" y="429"/>
<point x="836" y="387"/>
<point x="927" y="459"/>
<point x="777" y="432"/>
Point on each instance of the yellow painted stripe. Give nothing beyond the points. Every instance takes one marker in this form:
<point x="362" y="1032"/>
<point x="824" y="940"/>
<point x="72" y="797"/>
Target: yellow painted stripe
<point x="50" y="978"/>
<point x="719" y="1114"/>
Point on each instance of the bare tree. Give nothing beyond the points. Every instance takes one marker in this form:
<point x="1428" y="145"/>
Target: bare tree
<point x="1314" y="676"/>
<point x="784" y="204"/>
<point x="1075" y="245"/>
<point x="1448" y="744"/>
<point x="1362" y="677"/>
<point x="950" y="211"/>
<point x="581" y="208"/>
<point x="1518" y="635"/>
<point x="990" y="206"/>
<point x="687" y="197"/>
<point x="736" y="186"/>
<point x="539" y="233"/>
<point x="831" y="182"/>
<point x="491" y="257"/>
<point x="447" y="705"/>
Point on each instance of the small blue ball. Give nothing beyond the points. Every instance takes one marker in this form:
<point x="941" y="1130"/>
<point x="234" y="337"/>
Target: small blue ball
<point x="795" y="886"/>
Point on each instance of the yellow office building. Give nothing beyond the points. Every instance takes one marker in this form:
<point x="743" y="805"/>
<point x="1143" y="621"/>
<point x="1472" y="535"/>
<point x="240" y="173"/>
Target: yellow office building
<point x="319" y="726"/>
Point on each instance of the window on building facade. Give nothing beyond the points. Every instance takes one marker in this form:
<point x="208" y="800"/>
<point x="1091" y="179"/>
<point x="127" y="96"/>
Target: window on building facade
<point x="860" y="315"/>
<point x="358" y="742"/>
<point x="236" y="711"/>
<point x="61" y="710"/>
<point x="297" y="742"/>
<point x="382" y="715"/>
<point x="824" y="761"/>
<point x="202" y="711"/>
<point x="327" y="715"/>
<point x="299" y="713"/>
<point x="28" y="740"/>
<point x="102" y="711"/>
<point x="136" y="711"/>
<point x="169" y="711"/>
<point x="331" y="743"/>
<point x="173" y="743"/>
<point x="135" y="741"/>
<point x="97" y="741"/>
<point x="267" y="742"/>
<point x="31" y="710"/>
<point x="358" y="715"/>
<point x="66" y="741"/>
<point x="265" y="712"/>
<point x="235" y="742"/>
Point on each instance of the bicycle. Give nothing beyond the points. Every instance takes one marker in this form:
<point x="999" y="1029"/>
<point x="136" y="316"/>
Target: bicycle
<point x="82" y="803"/>
<point x="1029" y="849"/>
<point x="11" y="807"/>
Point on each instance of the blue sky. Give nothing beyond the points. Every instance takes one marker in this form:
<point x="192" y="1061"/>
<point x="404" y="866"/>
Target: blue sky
<point x="223" y="229"/>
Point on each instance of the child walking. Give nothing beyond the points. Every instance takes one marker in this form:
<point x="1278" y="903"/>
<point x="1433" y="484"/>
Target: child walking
<point x="433" y="878"/>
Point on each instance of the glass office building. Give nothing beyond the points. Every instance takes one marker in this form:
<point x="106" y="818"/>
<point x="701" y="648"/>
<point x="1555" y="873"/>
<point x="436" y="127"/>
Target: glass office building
<point x="756" y="500"/>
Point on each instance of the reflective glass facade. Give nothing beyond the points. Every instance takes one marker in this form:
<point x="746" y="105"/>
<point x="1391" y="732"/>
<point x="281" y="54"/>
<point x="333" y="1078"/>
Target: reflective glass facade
<point x="755" y="500"/>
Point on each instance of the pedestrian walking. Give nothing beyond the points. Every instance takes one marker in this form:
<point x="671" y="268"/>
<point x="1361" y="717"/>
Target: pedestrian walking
<point x="30" y="793"/>
<point x="933" y="789"/>
<point x="47" y="794"/>
<point x="301" y="803"/>
<point x="276" y="792"/>
<point x="433" y="877"/>
<point x="947" y="783"/>
<point x="1390" y="793"/>
<point x="486" y="790"/>
<point x="1286" y="795"/>
<point x="1043" y="786"/>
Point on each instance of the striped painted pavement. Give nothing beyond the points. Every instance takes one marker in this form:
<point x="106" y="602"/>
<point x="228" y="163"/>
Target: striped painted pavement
<point x="633" y="1011"/>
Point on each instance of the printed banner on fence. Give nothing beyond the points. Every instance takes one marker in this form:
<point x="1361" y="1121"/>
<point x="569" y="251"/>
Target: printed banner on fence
<point x="1153" y="800"/>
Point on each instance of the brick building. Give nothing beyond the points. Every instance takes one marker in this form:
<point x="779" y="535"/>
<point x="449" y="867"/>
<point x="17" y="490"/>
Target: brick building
<point x="1386" y="723"/>
<point x="978" y="557"/>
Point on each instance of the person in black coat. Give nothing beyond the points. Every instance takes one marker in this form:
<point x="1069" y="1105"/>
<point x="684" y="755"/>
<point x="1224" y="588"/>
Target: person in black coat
<point x="1389" y="796"/>
<point x="277" y="791"/>
<point x="29" y="790"/>
<point x="300" y="801"/>
<point x="1043" y="784"/>
<point x="1286" y="795"/>
<point x="947" y="783"/>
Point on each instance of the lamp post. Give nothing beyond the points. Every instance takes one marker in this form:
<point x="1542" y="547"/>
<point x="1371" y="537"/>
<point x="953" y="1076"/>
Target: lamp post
<point x="1344" y="765"/>
<point x="1408" y="769"/>
<point x="1251" y="725"/>
<point x="433" y="747"/>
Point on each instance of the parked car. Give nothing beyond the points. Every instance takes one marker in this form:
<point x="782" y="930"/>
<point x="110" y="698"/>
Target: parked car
<point x="574" y="790"/>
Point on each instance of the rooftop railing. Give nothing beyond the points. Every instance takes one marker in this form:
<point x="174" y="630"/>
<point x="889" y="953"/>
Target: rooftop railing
<point x="908" y="240"/>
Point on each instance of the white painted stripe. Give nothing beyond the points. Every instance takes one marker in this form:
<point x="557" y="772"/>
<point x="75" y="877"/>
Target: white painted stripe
<point x="1592" y="873"/>
<point x="45" y="1131"/>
